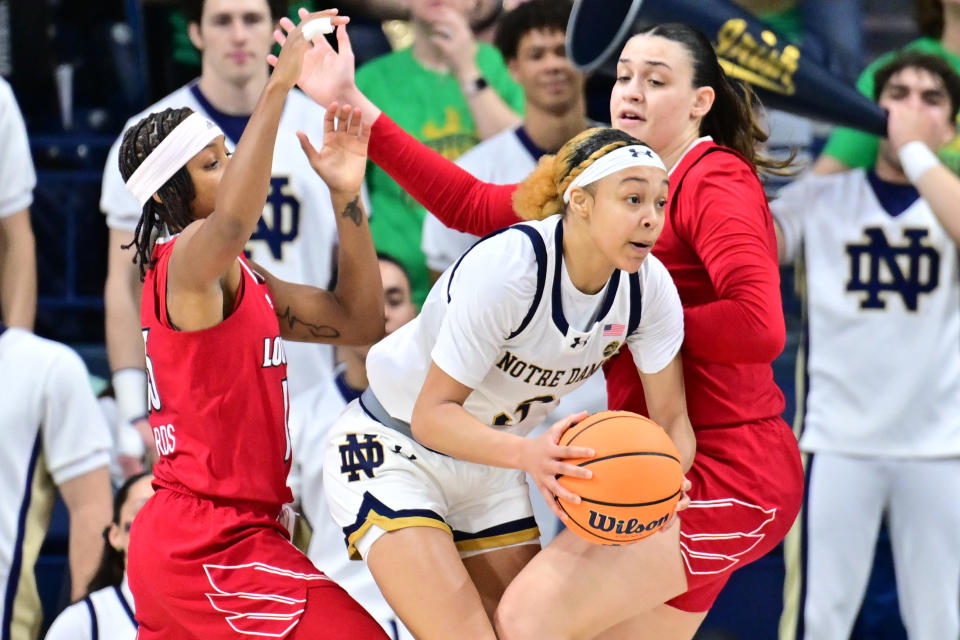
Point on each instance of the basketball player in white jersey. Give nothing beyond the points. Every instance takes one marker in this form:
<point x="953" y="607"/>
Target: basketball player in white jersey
<point x="310" y="422"/>
<point x="18" y="260"/>
<point x="531" y="39"/>
<point x="108" y="610"/>
<point x="54" y="438"/>
<point x="425" y="472"/>
<point x="882" y="414"/>
<point x="296" y="233"/>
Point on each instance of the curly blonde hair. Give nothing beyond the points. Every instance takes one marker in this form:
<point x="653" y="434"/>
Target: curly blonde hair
<point x="540" y="195"/>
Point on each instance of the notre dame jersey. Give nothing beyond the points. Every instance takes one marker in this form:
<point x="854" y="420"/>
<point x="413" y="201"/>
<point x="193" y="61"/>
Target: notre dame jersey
<point x="506" y="321"/>
<point x="883" y="307"/>
<point x="107" y="613"/>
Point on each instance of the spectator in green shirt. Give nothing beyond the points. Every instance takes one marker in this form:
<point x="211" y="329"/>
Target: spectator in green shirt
<point x="939" y="23"/>
<point x="447" y="90"/>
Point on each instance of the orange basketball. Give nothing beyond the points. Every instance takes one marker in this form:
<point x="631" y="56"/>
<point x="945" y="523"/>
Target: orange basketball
<point x="636" y="483"/>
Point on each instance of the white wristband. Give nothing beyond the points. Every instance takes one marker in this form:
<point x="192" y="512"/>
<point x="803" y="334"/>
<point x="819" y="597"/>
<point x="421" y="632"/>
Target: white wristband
<point x="916" y="158"/>
<point x="130" y="392"/>
<point x="129" y="442"/>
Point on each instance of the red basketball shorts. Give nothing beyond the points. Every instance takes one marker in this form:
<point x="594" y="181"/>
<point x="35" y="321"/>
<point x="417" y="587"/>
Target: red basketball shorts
<point x="747" y="489"/>
<point x="199" y="569"/>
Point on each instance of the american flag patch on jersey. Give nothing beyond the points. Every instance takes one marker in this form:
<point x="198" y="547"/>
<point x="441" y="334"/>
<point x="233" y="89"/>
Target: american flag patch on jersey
<point x="613" y="330"/>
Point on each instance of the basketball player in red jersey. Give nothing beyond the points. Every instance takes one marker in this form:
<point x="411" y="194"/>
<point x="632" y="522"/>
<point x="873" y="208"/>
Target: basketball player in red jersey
<point x="718" y="243"/>
<point x="209" y="555"/>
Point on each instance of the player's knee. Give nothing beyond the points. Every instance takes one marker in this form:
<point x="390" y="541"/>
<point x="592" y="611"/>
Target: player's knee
<point x="516" y="618"/>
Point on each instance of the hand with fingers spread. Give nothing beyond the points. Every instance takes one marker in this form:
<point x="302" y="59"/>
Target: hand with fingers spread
<point x="342" y="159"/>
<point x="543" y="458"/>
<point x="326" y="75"/>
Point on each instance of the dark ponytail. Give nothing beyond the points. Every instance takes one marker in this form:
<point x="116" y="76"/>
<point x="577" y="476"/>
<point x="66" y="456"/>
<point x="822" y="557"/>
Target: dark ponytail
<point x="176" y="194"/>
<point x="731" y="120"/>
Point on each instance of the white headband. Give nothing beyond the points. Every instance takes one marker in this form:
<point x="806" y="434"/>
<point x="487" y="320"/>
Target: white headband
<point x="185" y="141"/>
<point x="634" y="155"/>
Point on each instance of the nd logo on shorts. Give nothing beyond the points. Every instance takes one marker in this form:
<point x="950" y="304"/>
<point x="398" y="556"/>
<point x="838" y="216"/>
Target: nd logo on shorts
<point x="357" y="456"/>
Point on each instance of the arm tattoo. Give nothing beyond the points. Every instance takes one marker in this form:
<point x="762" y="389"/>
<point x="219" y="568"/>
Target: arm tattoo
<point x="354" y="211"/>
<point x="315" y="330"/>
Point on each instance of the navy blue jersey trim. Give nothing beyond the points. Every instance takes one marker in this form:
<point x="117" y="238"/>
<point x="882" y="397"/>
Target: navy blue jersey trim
<point x="611" y="294"/>
<point x="94" y="627"/>
<point x="125" y="605"/>
<point x="894" y="198"/>
<point x="15" y="566"/>
<point x="535" y="152"/>
<point x="497" y="530"/>
<point x="232" y="126"/>
<point x="539" y="249"/>
<point x="348" y="393"/>
<point x="371" y="504"/>
<point x="558" y="318"/>
<point x="636" y="303"/>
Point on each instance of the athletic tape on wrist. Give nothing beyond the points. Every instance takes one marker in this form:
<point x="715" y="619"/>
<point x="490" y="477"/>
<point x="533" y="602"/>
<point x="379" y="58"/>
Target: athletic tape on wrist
<point x="916" y="158"/>
<point x="130" y="393"/>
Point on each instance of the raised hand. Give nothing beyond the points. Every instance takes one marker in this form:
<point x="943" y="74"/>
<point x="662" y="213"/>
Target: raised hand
<point x="452" y="35"/>
<point x="288" y="66"/>
<point x="326" y="75"/>
<point x="342" y="159"/>
<point x="543" y="458"/>
<point x="907" y="123"/>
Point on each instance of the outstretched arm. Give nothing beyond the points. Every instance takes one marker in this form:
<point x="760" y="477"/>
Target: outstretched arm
<point x="458" y="199"/>
<point x="206" y="252"/>
<point x="351" y="314"/>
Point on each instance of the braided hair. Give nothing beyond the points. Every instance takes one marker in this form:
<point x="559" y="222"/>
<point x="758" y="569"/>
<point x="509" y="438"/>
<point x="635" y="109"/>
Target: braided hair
<point x="176" y="194"/>
<point x="541" y="194"/>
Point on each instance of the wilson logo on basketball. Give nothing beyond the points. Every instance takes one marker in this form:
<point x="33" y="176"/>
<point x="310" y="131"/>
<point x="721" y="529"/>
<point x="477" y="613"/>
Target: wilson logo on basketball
<point x="608" y="524"/>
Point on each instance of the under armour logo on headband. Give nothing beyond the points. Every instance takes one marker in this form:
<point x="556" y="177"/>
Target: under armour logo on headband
<point x="636" y="154"/>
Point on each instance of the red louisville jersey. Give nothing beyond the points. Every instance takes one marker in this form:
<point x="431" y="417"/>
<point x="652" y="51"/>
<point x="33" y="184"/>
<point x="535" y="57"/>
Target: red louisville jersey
<point x="218" y="397"/>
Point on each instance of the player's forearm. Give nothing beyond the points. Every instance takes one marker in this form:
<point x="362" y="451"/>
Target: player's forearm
<point x="88" y="499"/>
<point x="246" y="180"/>
<point x="941" y="189"/>
<point x="359" y="289"/>
<point x="936" y="184"/>
<point x="681" y="433"/>
<point x="18" y="271"/>
<point x="122" y="320"/>
<point x="448" y="428"/>
<point x="453" y="195"/>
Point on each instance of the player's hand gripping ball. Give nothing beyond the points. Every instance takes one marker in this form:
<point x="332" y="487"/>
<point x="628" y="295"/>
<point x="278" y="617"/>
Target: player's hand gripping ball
<point x="636" y="482"/>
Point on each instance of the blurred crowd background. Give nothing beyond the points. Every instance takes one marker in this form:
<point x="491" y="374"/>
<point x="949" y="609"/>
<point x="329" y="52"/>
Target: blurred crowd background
<point x="79" y="70"/>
